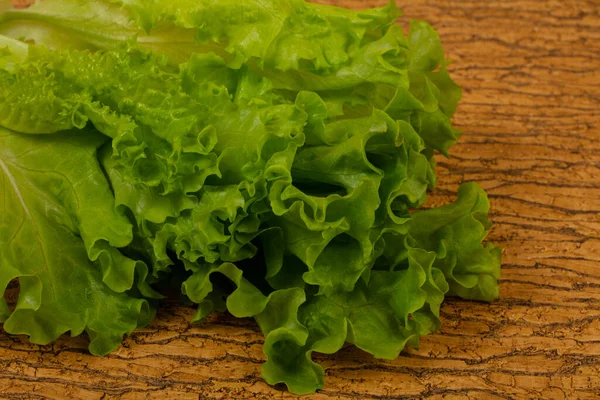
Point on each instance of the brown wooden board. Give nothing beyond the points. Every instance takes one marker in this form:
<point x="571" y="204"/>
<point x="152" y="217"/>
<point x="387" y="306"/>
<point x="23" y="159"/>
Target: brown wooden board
<point x="531" y="120"/>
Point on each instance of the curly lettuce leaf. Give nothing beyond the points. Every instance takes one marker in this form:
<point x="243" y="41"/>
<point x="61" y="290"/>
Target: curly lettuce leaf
<point x="131" y="97"/>
<point x="58" y="214"/>
<point x="374" y="317"/>
<point x="367" y="170"/>
<point x="68" y="24"/>
<point x="317" y="325"/>
<point x="263" y="158"/>
<point x="94" y="25"/>
<point x="281" y="34"/>
<point x="455" y="233"/>
<point x="358" y="52"/>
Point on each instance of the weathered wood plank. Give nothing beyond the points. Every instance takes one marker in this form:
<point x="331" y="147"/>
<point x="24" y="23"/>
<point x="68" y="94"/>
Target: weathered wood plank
<point x="532" y="139"/>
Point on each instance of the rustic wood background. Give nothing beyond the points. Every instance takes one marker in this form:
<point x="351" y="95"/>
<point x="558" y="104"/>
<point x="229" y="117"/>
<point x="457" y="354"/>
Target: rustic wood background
<point x="531" y="121"/>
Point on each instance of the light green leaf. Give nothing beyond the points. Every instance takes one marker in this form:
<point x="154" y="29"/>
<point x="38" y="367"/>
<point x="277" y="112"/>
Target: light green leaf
<point x="455" y="232"/>
<point x="156" y="143"/>
<point x="57" y="203"/>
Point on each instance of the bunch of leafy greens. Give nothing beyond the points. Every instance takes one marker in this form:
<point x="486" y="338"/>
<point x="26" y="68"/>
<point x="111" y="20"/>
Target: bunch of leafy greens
<point x="266" y="157"/>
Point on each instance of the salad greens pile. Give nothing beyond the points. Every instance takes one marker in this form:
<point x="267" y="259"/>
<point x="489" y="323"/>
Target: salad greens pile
<point x="264" y="157"/>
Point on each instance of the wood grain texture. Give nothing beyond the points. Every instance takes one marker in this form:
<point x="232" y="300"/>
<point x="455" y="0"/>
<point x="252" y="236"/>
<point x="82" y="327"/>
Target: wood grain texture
<point x="531" y="74"/>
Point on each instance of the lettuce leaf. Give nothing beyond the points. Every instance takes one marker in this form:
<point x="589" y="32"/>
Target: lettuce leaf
<point x="270" y="159"/>
<point x="455" y="232"/>
<point x="60" y="234"/>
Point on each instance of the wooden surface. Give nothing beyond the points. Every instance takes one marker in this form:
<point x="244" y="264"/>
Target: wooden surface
<point x="531" y="121"/>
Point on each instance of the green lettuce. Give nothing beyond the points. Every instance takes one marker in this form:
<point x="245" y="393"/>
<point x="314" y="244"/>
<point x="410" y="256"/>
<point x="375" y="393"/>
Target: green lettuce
<point x="60" y="236"/>
<point x="270" y="159"/>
